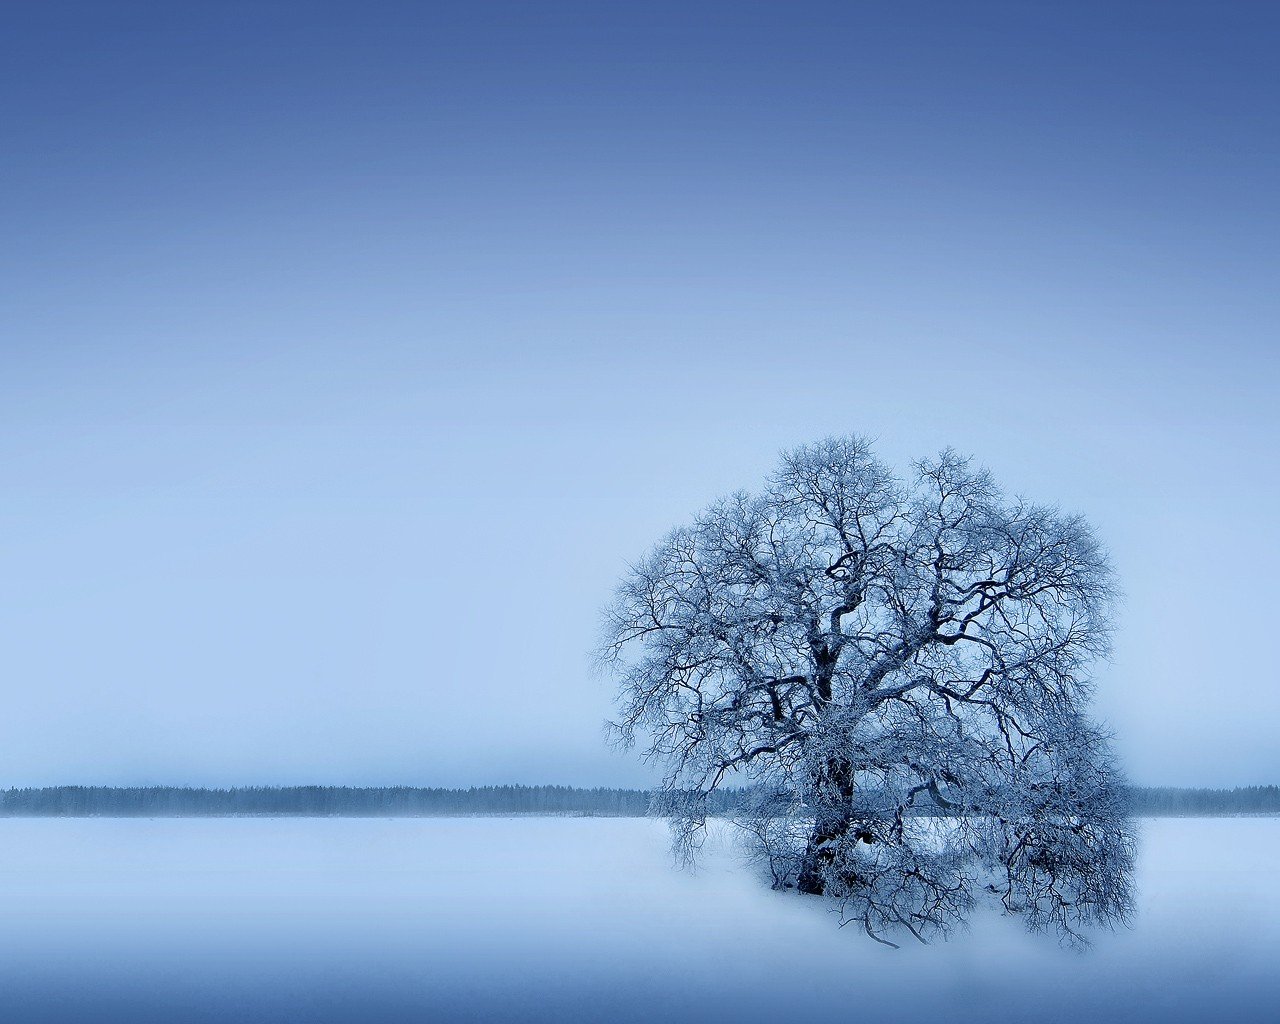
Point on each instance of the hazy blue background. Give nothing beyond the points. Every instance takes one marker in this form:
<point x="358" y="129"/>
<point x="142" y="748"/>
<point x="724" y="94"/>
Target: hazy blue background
<point x="347" y="352"/>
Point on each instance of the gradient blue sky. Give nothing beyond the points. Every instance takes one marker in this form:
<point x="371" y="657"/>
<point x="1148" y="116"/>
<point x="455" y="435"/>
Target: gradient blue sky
<point x="348" y="352"/>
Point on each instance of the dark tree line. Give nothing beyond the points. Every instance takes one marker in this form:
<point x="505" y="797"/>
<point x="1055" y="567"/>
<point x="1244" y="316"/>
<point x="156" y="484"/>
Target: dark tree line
<point x="412" y="801"/>
<point x="319" y="801"/>
<point x="1168" y="801"/>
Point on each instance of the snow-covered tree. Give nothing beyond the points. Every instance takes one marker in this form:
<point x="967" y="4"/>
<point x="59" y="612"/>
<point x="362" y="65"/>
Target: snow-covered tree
<point x="898" y="668"/>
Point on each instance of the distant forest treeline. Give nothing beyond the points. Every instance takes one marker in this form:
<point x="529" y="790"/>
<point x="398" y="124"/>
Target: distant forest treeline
<point x="1169" y="801"/>
<point x="412" y="801"/>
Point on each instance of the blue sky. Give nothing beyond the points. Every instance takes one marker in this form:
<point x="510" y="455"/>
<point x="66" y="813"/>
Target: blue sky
<point x="348" y="354"/>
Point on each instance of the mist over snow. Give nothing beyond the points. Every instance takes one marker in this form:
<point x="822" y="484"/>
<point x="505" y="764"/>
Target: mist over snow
<point x="544" y="919"/>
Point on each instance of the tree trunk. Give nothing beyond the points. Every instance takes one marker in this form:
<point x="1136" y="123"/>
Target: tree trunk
<point x="818" y="853"/>
<point x="834" y="794"/>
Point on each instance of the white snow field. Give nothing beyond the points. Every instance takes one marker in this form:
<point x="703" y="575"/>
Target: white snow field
<point x="567" y="919"/>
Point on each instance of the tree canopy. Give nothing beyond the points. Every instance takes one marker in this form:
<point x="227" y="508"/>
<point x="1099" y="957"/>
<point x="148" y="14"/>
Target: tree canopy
<point x="854" y="645"/>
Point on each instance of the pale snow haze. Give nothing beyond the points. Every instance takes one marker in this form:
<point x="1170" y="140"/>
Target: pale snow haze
<point x="346" y="362"/>
<point x="560" y="919"/>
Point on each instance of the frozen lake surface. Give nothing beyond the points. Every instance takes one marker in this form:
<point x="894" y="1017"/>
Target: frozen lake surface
<point x="531" y="919"/>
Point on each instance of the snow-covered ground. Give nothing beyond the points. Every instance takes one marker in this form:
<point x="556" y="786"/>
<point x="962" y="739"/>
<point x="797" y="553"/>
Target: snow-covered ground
<point x="574" y="919"/>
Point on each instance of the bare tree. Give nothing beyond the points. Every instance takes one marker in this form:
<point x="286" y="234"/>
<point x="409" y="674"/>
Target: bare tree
<point x="897" y="668"/>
